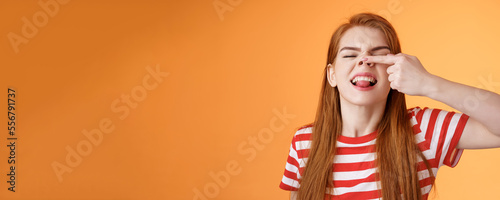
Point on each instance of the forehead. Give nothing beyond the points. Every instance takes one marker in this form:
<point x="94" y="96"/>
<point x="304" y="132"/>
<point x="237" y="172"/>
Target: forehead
<point x="362" y="37"/>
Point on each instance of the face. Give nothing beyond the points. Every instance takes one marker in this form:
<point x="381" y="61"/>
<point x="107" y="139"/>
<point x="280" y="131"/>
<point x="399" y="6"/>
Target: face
<point x="360" y="83"/>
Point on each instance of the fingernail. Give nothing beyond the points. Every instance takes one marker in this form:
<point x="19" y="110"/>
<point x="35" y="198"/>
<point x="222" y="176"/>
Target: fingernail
<point x="364" y="59"/>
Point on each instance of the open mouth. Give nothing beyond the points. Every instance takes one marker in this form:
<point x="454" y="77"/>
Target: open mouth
<point x="364" y="81"/>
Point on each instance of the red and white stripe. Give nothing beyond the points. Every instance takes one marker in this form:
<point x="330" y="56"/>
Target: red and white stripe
<point x="437" y="133"/>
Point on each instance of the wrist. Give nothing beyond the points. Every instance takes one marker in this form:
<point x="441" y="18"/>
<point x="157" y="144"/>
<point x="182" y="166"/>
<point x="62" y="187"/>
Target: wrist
<point x="431" y="87"/>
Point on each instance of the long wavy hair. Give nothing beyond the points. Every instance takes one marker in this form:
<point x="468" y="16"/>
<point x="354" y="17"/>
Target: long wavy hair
<point x="396" y="148"/>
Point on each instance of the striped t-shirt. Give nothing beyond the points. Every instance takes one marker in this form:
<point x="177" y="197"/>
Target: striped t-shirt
<point x="437" y="133"/>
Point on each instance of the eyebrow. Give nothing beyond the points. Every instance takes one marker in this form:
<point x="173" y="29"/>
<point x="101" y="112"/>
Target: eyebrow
<point x="359" y="49"/>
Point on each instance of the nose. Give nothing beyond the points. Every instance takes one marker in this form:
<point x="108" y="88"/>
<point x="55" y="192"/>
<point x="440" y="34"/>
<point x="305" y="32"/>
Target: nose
<point x="367" y="63"/>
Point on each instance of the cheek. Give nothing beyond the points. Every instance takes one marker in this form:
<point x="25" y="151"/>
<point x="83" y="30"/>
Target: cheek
<point x="344" y="66"/>
<point x="341" y="73"/>
<point x="382" y="70"/>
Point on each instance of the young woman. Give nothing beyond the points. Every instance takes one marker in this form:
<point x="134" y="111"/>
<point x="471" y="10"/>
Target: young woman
<point x="364" y="142"/>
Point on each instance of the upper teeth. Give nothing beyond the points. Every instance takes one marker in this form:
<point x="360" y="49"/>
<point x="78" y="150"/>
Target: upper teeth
<point x="363" y="78"/>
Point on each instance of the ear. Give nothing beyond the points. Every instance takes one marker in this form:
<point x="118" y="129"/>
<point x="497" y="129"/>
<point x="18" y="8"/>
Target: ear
<point x="330" y="74"/>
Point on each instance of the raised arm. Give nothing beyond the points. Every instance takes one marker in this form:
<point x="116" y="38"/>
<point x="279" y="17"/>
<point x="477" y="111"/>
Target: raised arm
<point x="408" y="76"/>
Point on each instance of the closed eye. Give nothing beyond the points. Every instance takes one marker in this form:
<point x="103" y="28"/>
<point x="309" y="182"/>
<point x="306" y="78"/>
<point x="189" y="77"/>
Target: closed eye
<point x="349" y="56"/>
<point x="381" y="53"/>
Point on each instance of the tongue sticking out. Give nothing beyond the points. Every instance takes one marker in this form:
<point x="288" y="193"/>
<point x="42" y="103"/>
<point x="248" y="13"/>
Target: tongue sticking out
<point x="363" y="83"/>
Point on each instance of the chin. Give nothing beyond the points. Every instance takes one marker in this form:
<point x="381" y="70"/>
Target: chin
<point x="365" y="98"/>
<point x="367" y="102"/>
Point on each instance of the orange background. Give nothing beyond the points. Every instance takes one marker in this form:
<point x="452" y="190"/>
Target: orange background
<point x="217" y="111"/>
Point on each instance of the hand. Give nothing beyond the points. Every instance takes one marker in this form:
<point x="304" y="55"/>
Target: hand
<point x="406" y="73"/>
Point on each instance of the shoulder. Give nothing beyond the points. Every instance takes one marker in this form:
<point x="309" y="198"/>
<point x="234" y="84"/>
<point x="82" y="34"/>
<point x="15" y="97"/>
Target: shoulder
<point x="417" y="110"/>
<point x="302" y="136"/>
<point x="432" y="120"/>
<point x="303" y="131"/>
<point x="422" y="114"/>
<point x="418" y="114"/>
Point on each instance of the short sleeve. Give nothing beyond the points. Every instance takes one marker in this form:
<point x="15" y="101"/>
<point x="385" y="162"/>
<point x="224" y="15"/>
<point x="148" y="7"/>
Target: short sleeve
<point x="439" y="132"/>
<point x="295" y="161"/>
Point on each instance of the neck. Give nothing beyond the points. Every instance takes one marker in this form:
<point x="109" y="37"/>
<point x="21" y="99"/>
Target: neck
<point x="360" y="120"/>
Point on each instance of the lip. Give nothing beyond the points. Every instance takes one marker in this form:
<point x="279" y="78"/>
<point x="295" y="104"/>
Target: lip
<point x="363" y="74"/>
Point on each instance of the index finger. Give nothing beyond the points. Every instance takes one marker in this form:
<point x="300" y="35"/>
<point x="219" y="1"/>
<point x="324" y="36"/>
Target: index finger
<point x="389" y="59"/>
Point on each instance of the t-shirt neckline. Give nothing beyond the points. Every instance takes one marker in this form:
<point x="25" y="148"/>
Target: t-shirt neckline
<point x="358" y="140"/>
